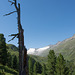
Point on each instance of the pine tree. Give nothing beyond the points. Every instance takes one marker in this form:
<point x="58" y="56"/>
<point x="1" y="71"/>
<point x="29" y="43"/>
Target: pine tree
<point x="35" y="68"/>
<point x="70" y="65"/>
<point x="15" y="62"/>
<point x="9" y="60"/>
<point x="43" y="69"/>
<point x="73" y="72"/>
<point x="51" y="62"/>
<point x="3" y="51"/>
<point x="60" y="65"/>
<point x="18" y="63"/>
<point x="30" y="66"/>
<point x="39" y="68"/>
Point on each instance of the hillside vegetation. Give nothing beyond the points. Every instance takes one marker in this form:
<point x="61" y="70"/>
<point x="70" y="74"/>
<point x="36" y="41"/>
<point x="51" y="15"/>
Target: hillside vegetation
<point x="12" y="49"/>
<point x="8" y="71"/>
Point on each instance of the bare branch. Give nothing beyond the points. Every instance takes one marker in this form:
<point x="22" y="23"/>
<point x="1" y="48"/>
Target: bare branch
<point x="10" y="13"/>
<point x="12" y="38"/>
<point x="14" y="34"/>
<point x="15" y="5"/>
<point x="11" y="2"/>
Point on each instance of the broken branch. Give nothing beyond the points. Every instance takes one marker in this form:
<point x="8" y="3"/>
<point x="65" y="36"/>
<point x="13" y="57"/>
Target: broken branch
<point x="15" y="35"/>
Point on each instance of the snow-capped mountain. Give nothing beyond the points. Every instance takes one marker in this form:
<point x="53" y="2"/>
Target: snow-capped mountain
<point x="66" y="46"/>
<point x="38" y="51"/>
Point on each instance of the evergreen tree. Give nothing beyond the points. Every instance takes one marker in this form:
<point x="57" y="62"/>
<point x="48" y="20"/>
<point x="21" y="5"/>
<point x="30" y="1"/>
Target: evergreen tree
<point x="30" y="66"/>
<point x="51" y="62"/>
<point x="70" y="65"/>
<point x="15" y="62"/>
<point x="35" y="68"/>
<point x="18" y="63"/>
<point x="39" y="68"/>
<point x="43" y="69"/>
<point x="60" y="65"/>
<point x="9" y="60"/>
<point x="3" y="51"/>
<point x="73" y="72"/>
<point x="67" y="71"/>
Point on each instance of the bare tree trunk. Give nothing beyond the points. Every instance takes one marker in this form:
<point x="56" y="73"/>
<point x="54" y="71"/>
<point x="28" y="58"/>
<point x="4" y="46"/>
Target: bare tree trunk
<point x="22" y="49"/>
<point x="23" y="64"/>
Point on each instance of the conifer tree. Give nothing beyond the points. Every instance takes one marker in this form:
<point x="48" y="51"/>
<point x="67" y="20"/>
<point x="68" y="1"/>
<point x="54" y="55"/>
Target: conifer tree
<point x="18" y="64"/>
<point x="30" y="66"/>
<point x="3" y="51"/>
<point x="39" y="68"/>
<point x="15" y="62"/>
<point x="43" y="69"/>
<point x="9" y="60"/>
<point x="60" y="65"/>
<point x="71" y="67"/>
<point x="35" y="68"/>
<point x="51" y="62"/>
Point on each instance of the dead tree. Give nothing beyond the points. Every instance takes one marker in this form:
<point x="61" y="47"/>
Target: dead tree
<point x="23" y="68"/>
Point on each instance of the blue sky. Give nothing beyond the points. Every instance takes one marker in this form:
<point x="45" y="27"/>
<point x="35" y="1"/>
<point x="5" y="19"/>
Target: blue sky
<point x="44" y="22"/>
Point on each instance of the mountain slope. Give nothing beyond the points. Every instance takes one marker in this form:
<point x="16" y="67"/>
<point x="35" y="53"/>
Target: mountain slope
<point x="66" y="48"/>
<point x="12" y="49"/>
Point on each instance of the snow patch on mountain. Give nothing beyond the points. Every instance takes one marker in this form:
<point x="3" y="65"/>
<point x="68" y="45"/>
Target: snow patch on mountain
<point x="31" y="51"/>
<point x="38" y="51"/>
<point x="42" y="49"/>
